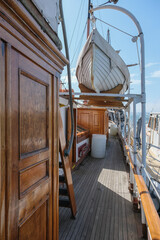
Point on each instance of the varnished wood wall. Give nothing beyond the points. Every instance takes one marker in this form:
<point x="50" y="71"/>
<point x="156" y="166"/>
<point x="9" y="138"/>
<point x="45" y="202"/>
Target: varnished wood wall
<point x="94" y="119"/>
<point x="29" y="80"/>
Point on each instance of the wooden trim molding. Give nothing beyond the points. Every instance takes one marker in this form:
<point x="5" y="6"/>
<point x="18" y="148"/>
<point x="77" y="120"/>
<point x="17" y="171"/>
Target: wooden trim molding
<point x="2" y="141"/>
<point x="28" y="60"/>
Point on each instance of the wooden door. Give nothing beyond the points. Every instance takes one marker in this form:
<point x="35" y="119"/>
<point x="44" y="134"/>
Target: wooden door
<point x="98" y="122"/>
<point x="92" y="119"/>
<point x="30" y="94"/>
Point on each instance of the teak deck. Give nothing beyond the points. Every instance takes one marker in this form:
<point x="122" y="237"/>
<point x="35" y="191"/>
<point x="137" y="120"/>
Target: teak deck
<point x="103" y="200"/>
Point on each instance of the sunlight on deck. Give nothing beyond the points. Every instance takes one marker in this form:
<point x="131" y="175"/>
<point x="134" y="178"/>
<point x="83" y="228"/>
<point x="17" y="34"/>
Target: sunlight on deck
<point x="113" y="187"/>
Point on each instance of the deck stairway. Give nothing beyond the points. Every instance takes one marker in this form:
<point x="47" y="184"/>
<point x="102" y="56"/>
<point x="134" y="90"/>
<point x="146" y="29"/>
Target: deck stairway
<point x="66" y="190"/>
<point x="105" y="209"/>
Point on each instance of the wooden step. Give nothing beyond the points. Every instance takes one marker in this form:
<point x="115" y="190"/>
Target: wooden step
<point x="62" y="179"/>
<point x="63" y="191"/>
<point x="64" y="203"/>
<point x="67" y="172"/>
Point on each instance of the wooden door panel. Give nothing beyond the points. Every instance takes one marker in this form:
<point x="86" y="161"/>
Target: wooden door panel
<point x="35" y="227"/>
<point x="32" y="201"/>
<point x="93" y="119"/>
<point x="33" y="104"/>
<point x="32" y="172"/>
<point x="38" y="173"/>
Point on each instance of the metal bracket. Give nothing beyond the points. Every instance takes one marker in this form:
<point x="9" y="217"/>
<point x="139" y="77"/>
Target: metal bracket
<point x="143" y="98"/>
<point x="138" y="99"/>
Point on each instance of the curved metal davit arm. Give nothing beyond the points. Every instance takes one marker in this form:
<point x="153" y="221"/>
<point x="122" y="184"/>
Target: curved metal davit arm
<point x="67" y="150"/>
<point x="143" y="94"/>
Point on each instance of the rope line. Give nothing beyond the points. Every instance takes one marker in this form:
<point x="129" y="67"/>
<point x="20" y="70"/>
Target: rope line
<point x="76" y="40"/>
<point x="76" y="22"/>
<point x="80" y="42"/>
<point x="105" y="3"/>
<point x="114" y="27"/>
<point x="99" y="13"/>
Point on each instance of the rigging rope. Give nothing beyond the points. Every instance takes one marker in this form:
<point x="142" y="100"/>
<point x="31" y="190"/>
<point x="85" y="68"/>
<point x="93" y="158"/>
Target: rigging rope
<point x="79" y="14"/>
<point x="114" y="27"/>
<point x="77" y="35"/>
<point x="80" y="43"/>
<point x="100" y="17"/>
<point x="105" y="3"/>
<point x="124" y="33"/>
<point x="110" y="1"/>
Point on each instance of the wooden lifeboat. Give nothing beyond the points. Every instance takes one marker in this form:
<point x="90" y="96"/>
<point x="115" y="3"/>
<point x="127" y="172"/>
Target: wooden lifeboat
<point x="100" y="68"/>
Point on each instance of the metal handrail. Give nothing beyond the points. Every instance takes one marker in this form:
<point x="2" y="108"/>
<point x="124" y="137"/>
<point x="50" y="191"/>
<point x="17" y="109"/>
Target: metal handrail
<point x="147" y="203"/>
<point x="152" y="183"/>
<point x="151" y="145"/>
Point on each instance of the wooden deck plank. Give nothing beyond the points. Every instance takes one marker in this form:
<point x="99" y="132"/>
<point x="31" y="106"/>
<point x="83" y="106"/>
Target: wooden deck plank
<point x="103" y="200"/>
<point x="81" y="198"/>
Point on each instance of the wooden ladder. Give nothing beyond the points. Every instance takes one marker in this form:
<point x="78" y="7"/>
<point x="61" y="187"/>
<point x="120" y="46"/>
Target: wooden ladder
<point x="66" y="195"/>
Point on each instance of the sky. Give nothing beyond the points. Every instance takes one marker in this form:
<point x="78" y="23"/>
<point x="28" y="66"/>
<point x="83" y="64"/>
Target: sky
<point x="147" y="13"/>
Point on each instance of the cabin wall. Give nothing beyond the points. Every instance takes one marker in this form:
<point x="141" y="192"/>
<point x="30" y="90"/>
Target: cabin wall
<point x="30" y="67"/>
<point x="93" y="119"/>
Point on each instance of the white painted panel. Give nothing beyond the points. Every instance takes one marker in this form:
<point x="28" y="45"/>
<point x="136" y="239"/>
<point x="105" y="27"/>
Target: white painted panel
<point x="80" y="144"/>
<point x="50" y="11"/>
<point x="63" y="111"/>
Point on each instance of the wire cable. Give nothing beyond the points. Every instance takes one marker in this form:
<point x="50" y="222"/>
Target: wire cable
<point x="105" y="3"/>
<point x="100" y="17"/>
<point x="80" y="43"/>
<point x="76" y="22"/>
<point x="114" y="27"/>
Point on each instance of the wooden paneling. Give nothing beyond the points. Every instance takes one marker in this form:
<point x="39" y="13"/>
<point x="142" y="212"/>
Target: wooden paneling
<point x="29" y="76"/>
<point x="30" y="230"/>
<point x="33" y="159"/>
<point x="93" y="119"/>
<point x="38" y="172"/>
<point x="2" y="140"/>
<point x="35" y="198"/>
<point x="26" y="125"/>
<point x="55" y="154"/>
<point x="12" y="142"/>
<point x="33" y="114"/>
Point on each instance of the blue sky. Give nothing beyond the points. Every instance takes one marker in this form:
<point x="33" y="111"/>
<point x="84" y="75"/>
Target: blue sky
<point x="147" y="13"/>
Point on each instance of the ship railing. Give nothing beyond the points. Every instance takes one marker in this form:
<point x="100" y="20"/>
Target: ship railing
<point x="151" y="182"/>
<point x="151" y="145"/>
<point x="149" y="213"/>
